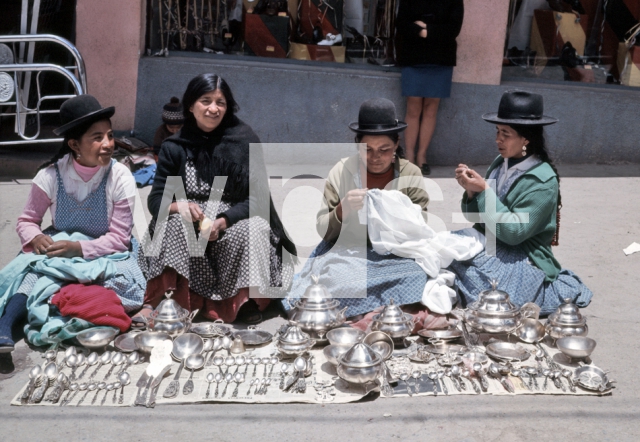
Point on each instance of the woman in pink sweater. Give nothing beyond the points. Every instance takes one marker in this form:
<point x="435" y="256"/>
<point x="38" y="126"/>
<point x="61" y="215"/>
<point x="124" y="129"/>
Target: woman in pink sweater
<point x="86" y="192"/>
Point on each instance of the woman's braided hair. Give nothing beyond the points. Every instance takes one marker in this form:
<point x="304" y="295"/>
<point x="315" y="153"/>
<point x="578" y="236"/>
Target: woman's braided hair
<point x="538" y="146"/>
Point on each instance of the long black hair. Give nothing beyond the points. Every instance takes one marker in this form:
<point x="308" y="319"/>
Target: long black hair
<point x="74" y="133"/>
<point x="395" y="137"/>
<point x="202" y="84"/>
<point x="538" y="146"/>
<point x="197" y="87"/>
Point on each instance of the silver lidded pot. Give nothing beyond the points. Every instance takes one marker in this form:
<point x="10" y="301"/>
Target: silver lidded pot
<point x="393" y="321"/>
<point x="493" y="312"/>
<point x="293" y="341"/>
<point x="566" y="321"/>
<point x="317" y="312"/>
<point x="170" y="318"/>
<point x="360" y="364"/>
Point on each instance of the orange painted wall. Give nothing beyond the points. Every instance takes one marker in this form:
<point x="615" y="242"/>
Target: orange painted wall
<point x="110" y="37"/>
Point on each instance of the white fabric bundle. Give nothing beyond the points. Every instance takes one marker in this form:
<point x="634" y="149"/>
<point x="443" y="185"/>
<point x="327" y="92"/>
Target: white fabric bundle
<point x="396" y="226"/>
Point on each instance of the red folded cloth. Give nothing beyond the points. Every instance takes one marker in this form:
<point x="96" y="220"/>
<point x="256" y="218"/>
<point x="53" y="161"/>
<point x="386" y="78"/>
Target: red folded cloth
<point x="92" y="303"/>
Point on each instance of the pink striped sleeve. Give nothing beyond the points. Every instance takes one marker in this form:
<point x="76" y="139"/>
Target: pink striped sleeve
<point x="117" y="239"/>
<point x="29" y="222"/>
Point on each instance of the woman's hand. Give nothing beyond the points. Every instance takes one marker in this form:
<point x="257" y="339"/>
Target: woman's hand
<point x="64" y="249"/>
<point x="352" y="202"/>
<point x="40" y="244"/>
<point x="470" y="180"/>
<point x="193" y="212"/>
<point x="219" y="226"/>
<point x="423" y="25"/>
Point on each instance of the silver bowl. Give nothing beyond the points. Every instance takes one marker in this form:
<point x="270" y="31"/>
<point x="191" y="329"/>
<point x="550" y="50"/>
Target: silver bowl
<point x="333" y="352"/>
<point x="381" y="343"/>
<point x="186" y="345"/>
<point x="145" y="341"/>
<point x="530" y="330"/>
<point x="95" y="338"/>
<point x="345" y="335"/>
<point x="359" y="375"/>
<point x="576" y="347"/>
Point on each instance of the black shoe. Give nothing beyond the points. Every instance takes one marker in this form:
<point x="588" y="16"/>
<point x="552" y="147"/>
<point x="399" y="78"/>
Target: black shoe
<point x="426" y="170"/>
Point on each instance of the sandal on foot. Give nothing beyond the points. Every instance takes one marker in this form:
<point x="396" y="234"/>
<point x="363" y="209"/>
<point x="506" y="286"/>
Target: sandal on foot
<point x="6" y="344"/>
<point x="138" y="320"/>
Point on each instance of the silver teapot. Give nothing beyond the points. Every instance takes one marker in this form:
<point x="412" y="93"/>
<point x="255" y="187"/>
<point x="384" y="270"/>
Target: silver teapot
<point x="493" y="312"/>
<point x="566" y="321"/>
<point x="317" y="312"/>
<point x="170" y="318"/>
<point x="393" y="321"/>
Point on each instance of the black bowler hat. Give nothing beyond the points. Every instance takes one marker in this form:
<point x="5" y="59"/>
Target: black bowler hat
<point x="81" y="110"/>
<point x="520" y="108"/>
<point x="377" y="117"/>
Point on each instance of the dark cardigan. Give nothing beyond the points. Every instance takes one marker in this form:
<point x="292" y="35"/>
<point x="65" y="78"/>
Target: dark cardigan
<point x="230" y="146"/>
<point x="444" y="21"/>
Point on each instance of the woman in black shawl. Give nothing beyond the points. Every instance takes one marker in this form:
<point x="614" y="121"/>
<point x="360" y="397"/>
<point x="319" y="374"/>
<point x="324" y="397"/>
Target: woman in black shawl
<point x="214" y="142"/>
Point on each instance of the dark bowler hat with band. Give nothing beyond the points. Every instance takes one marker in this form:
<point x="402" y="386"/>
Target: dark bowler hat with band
<point x="520" y="108"/>
<point x="377" y="117"/>
<point x="82" y="110"/>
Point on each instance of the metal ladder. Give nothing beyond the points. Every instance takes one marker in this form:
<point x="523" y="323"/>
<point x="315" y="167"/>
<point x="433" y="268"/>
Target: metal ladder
<point x="15" y="79"/>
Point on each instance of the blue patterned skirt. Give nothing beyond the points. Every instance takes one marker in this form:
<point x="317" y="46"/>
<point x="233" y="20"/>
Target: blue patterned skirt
<point x="523" y="281"/>
<point x="350" y="271"/>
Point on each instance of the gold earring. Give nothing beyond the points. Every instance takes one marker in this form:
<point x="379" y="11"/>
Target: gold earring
<point x="524" y="150"/>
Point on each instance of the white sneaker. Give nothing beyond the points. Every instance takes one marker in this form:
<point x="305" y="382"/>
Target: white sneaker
<point x="330" y="40"/>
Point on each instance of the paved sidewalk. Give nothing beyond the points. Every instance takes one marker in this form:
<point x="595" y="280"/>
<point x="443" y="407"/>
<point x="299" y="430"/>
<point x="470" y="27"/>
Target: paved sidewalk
<point x="601" y="216"/>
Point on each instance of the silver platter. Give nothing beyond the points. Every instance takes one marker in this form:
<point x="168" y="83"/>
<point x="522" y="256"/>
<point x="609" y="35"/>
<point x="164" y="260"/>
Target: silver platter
<point x="209" y="329"/>
<point x="253" y="337"/>
<point x="125" y="343"/>
<point x="448" y="334"/>
<point x="507" y="351"/>
<point x="592" y="378"/>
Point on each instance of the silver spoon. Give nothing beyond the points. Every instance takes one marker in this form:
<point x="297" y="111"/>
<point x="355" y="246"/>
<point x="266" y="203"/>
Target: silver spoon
<point x="73" y="388"/>
<point x="72" y="363"/>
<point x="265" y="361"/>
<point x="92" y="360"/>
<point x="48" y="377"/>
<point x="218" y="379"/>
<point x="240" y="360"/>
<point x="477" y="368"/>
<point x="217" y="345"/>
<point x="33" y="375"/>
<point x="228" y="378"/>
<point x="210" y="379"/>
<point x="556" y="375"/>
<point x="403" y="377"/>
<point x="441" y="380"/>
<point x="89" y="388"/>
<point x="116" y="385"/>
<point x="455" y="371"/>
<point x="283" y="371"/>
<point x="434" y="376"/>
<point x="251" y="384"/>
<point x="226" y="344"/>
<point x="101" y="386"/>
<point x="132" y="359"/>
<point x="108" y="389"/>
<point x="125" y="379"/>
<point x="274" y="360"/>
<point x="116" y="360"/>
<point x="546" y="373"/>
<point x="567" y="374"/>
<point x="467" y="374"/>
<point x="229" y="361"/>
<point x="449" y="373"/>
<point x="193" y="363"/>
<point x="218" y="361"/>
<point x="533" y="373"/>
<point x="104" y="359"/>
<point x="62" y="382"/>
<point x="255" y="361"/>
<point x="239" y="378"/>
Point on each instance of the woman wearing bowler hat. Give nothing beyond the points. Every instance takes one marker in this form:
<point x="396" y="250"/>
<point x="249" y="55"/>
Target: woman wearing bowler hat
<point x="89" y="196"/>
<point x="378" y="164"/>
<point x="521" y="180"/>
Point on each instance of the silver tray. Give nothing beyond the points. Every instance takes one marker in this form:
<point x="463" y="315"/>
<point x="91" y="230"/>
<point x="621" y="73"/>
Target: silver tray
<point x="125" y="343"/>
<point x="209" y="329"/>
<point x="253" y="337"/>
<point x="448" y="334"/>
<point x="591" y="377"/>
<point x="507" y="351"/>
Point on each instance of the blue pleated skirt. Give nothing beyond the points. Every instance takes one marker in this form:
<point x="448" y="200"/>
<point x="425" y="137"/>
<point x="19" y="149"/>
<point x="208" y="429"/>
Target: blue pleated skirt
<point x="427" y="81"/>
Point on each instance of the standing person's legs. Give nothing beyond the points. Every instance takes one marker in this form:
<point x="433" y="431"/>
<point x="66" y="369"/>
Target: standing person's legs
<point x="412" y="118"/>
<point x="427" y="127"/>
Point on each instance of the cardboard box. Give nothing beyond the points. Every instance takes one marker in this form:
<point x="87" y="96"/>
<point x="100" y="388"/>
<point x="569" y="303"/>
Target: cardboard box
<point x="301" y="51"/>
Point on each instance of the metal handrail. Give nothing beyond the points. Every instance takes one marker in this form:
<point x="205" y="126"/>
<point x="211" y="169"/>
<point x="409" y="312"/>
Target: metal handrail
<point x="82" y="73"/>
